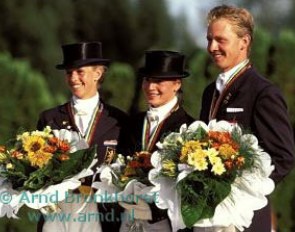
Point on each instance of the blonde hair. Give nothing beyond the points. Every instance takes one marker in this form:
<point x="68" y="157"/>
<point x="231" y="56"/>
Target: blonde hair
<point x="104" y="69"/>
<point x="240" y="18"/>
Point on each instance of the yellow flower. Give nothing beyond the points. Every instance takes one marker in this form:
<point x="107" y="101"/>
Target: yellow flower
<point x="9" y="166"/>
<point x="22" y="136"/>
<point x="3" y="157"/>
<point x="169" y="167"/>
<point x="212" y="154"/>
<point x="39" y="158"/>
<point x="48" y="130"/>
<point x="198" y="160"/>
<point x="33" y="143"/>
<point x="189" y="147"/>
<point x="46" y="133"/>
<point x="218" y="168"/>
<point x="35" y="146"/>
<point x="227" y="151"/>
<point x="215" y="160"/>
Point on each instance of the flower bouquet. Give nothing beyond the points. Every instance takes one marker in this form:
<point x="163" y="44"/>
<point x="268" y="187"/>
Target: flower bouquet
<point x="38" y="168"/>
<point x="211" y="176"/>
<point x="126" y="181"/>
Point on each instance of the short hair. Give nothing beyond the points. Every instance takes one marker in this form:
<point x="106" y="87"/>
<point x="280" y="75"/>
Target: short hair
<point x="104" y="70"/>
<point x="240" y="18"/>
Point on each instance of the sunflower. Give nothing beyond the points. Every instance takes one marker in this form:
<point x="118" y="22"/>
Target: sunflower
<point x="35" y="147"/>
<point x="33" y="143"/>
<point x="39" y="158"/>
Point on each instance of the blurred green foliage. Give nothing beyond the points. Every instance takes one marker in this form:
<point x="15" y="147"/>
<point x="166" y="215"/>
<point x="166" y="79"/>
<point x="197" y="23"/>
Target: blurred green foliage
<point x="23" y="93"/>
<point x="118" y="86"/>
<point x="32" y="32"/>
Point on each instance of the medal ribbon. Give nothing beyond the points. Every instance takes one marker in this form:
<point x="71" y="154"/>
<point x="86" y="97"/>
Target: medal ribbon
<point x="149" y="140"/>
<point x="216" y="100"/>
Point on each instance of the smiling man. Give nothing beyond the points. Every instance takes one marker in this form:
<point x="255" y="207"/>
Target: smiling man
<point x="241" y="95"/>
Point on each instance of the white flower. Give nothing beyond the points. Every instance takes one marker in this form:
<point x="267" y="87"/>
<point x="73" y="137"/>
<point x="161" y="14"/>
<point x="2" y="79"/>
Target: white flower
<point x="172" y="139"/>
<point x="121" y="160"/>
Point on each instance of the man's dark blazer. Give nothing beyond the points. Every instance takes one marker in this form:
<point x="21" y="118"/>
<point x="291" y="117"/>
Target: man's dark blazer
<point x="264" y="114"/>
<point x="172" y="124"/>
<point x="113" y="125"/>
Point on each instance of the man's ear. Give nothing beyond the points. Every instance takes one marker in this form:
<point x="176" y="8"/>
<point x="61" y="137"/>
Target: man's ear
<point x="245" y="42"/>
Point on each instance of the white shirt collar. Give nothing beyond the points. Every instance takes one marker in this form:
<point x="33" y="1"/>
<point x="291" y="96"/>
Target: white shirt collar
<point x="223" y="78"/>
<point x="162" y="111"/>
<point x="86" y="105"/>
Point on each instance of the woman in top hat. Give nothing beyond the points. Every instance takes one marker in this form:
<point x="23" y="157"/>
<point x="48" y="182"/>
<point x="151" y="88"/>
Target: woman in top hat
<point x="100" y="124"/>
<point x="162" y="79"/>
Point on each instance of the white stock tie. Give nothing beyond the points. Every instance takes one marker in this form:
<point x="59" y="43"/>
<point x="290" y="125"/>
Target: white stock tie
<point x="81" y="112"/>
<point x="220" y="84"/>
<point x="152" y="116"/>
<point x="153" y="119"/>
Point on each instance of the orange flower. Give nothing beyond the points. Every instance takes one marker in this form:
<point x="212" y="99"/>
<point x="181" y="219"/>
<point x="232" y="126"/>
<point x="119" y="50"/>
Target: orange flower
<point x="2" y="149"/>
<point x="64" y="146"/>
<point x="240" y="161"/>
<point x="53" y="141"/>
<point x="228" y="164"/>
<point x="17" y="154"/>
<point x="50" y="149"/>
<point x="219" y="138"/>
<point x="63" y="157"/>
<point x="143" y="159"/>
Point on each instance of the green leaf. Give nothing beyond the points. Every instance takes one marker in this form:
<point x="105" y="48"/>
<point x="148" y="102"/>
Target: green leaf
<point x="78" y="161"/>
<point x="56" y="171"/>
<point x="37" y="179"/>
<point x="200" y="195"/>
<point x="191" y="213"/>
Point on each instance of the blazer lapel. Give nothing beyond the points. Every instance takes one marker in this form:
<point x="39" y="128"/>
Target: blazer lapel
<point x="64" y="119"/>
<point x="171" y="121"/>
<point x="104" y="124"/>
<point x="233" y="90"/>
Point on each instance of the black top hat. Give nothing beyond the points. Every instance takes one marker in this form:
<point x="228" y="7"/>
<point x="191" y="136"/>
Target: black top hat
<point x="81" y="54"/>
<point x="163" y="65"/>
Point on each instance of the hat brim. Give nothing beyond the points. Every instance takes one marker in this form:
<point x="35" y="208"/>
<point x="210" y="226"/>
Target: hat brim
<point x="142" y="72"/>
<point x="80" y="63"/>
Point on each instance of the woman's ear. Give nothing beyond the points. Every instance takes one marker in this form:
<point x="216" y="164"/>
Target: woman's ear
<point x="99" y="73"/>
<point x="177" y="85"/>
